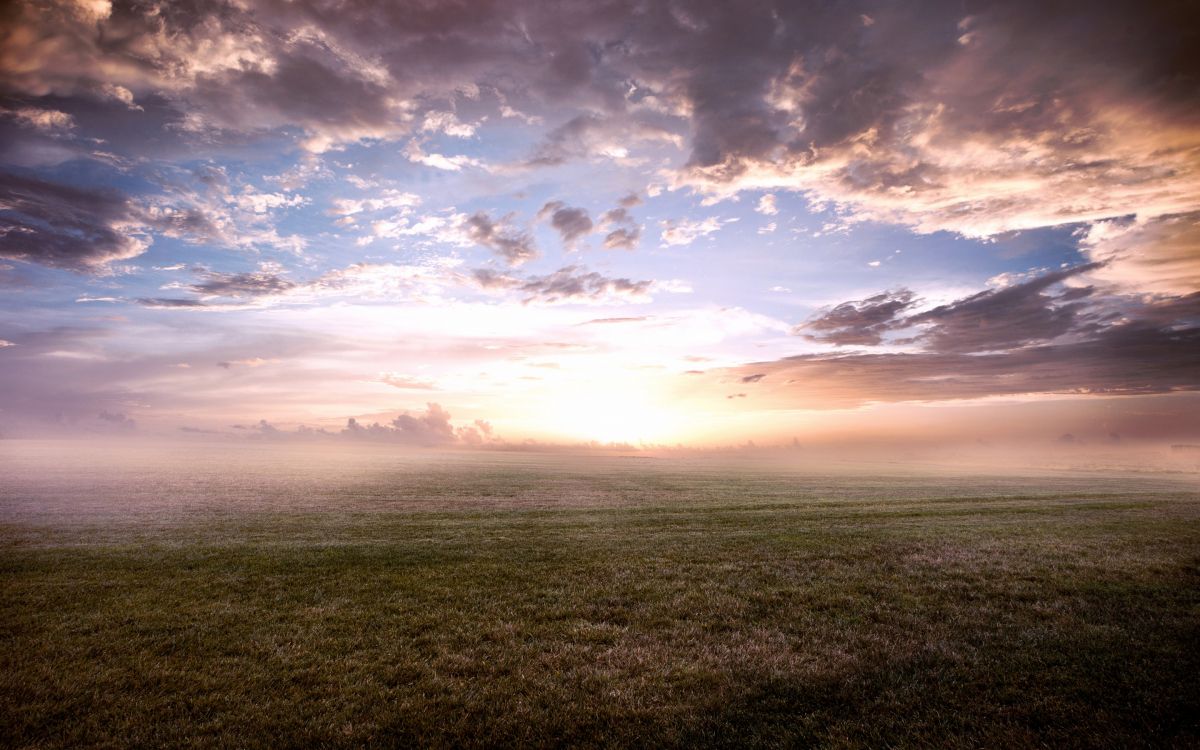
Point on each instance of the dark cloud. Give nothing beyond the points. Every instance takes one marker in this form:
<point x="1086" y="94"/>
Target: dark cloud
<point x="572" y="223"/>
<point x="167" y="303"/>
<point x="1036" y="336"/>
<point x="489" y="279"/>
<point x="619" y="215"/>
<point x="860" y="322"/>
<point x="1140" y="356"/>
<point x="999" y="319"/>
<point x="515" y="247"/>
<point x="623" y="239"/>
<point x="574" y="284"/>
<point x="867" y="104"/>
<point x="241" y="284"/>
<point x="192" y="223"/>
<point x="64" y="226"/>
<point x="625" y="231"/>
<point x="566" y="285"/>
<point x="992" y="320"/>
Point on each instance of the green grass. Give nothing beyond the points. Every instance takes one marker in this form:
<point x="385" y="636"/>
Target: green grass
<point x="546" y="601"/>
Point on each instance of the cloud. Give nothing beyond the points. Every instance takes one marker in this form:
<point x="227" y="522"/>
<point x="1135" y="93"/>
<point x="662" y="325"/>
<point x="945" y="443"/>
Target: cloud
<point x="448" y="123"/>
<point x="405" y="382"/>
<point x="515" y="247"/>
<point x="590" y="135"/>
<point x="571" y="223"/>
<point x="625" y="232"/>
<point x="568" y="141"/>
<point x="1025" y="338"/>
<point x="217" y="284"/>
<point x="1124" y="359"/>
<point x="624" y="238"/>
<point x="1004" y="121"/>
<point x="766" y="205"/>
<point x="324" y="79"/>
<point x="687" y="231"/>
<point x="266" y="288"/>
<point x="569" y="284"/>
<point x="1005" y="318"/>
<point x="858" y="322"/>
<point x="1007" y="119"/>
<point x="574" y="284"/>
<point x="995" y="319"/>
<point x="477" y="433"/>
<point x="257" y="202"/>
<point x="387" y="199"/>
<point x="45" y="120"/>
<point x="64" y="226"/>
<point x="1159" y="255"/>
<point x="203" y="208"/>
<point x="249" y="362"/>
<point x="418" y="155"/>
<point x="412" y="283"/>
<point x="429" y="428"/>
<point x="169" y="303"/>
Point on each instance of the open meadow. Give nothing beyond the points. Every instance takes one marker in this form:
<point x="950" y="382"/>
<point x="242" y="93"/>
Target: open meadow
<point x="195" y="596"/>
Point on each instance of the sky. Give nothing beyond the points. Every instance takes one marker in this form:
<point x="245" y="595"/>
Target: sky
<point x="699" y="223"/>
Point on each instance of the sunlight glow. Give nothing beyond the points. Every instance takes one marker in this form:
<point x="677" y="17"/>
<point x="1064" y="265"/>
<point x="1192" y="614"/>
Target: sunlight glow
<point x="623" y="413"/>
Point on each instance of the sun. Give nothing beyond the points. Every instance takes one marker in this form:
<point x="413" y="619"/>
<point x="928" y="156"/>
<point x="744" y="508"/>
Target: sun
<point x="614" y="414"/>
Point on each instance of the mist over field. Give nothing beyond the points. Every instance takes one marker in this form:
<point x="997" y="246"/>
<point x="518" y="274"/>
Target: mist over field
<point x="267" y="594"/>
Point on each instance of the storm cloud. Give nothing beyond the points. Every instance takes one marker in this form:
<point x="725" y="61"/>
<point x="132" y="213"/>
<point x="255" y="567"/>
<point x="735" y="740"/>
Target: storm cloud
<point x="63" y="226"/>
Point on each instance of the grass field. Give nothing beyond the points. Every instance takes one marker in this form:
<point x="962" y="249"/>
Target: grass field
<point x="197" y="598"/>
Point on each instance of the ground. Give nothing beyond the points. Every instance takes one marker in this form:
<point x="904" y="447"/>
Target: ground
<point x="274" y="598"/>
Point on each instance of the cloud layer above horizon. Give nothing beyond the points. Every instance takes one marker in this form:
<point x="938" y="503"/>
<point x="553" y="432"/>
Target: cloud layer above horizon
<point x="632" y="221"/>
